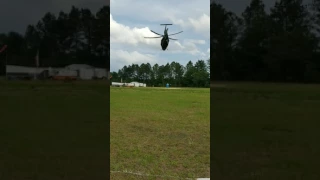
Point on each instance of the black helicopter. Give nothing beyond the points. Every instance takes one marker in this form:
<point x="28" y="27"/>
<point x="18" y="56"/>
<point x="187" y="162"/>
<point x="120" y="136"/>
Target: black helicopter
<point x="165" y="37"/>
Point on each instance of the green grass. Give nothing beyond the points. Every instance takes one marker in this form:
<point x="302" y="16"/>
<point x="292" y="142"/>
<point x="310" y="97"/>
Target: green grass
<point x="160" y="132"/>
<point x="56" y="130"/>
<point x="265" y="131"/>
<point x="53" y="130"/>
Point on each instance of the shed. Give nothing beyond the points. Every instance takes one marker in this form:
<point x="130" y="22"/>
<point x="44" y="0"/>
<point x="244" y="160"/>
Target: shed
<point x="85" y="71"/>
<point x="86" y="74"/>
<point x="136" y="84"/>
<point x="101" y="73"/>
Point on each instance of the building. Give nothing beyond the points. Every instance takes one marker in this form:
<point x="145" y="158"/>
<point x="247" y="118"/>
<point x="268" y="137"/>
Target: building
<point x="87" y="72"/>
<point x="73" y="71"/>
<point x="22" y="72"/>
<point x="132" y="84"/>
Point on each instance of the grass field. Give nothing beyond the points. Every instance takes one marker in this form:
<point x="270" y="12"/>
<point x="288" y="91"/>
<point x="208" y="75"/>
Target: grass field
<point x="164" y="133"/>
<point x="265" y="131"/>
<point x="58" y="130"/>
<point x="53" y="130"/>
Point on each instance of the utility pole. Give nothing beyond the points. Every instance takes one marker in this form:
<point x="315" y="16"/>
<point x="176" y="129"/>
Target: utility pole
<point x="6" y="62"/>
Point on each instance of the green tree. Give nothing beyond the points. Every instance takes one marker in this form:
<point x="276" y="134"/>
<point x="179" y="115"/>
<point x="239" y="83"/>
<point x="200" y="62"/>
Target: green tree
<point x="224" y="35"/>
<point x="188" y="76"/>
<point x="252" y="42"/>
<point x="200" y="74"/>
<point x="290" y="43"/>
<point x="155" y="75"/>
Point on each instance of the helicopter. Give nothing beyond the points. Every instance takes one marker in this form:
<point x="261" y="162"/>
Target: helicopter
<point x="165" y="37"/>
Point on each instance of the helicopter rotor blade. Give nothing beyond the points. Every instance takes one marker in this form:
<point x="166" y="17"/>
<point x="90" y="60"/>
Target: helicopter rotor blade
<point x="175" y="33"/>
<point x="173" y="39"/>
<point x="152" y="37"/>
<point x="156" y="33"/>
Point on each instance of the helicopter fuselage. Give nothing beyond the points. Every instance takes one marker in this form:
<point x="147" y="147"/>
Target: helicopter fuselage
<point x="164" y="43"/>
<point x="165" y="40"/>
<point x="165" y="37"/>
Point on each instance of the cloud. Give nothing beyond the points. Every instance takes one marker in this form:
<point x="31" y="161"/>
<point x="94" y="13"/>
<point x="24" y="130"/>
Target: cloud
<point x="131" y="21"/>
<point x="196" y="41"/>
<point x="202" y="24"/>
<point x="132" y="38"/>
<point x="122" y="57"/>
<point x="121" y="34"/>
<point x="187" y="14"/>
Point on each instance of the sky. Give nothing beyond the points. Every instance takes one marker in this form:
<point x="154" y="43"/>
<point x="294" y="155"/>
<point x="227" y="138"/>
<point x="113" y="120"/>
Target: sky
<point x="131" y="21"/>
<point x="239" y="6"/>
<point x="15" y="15"/>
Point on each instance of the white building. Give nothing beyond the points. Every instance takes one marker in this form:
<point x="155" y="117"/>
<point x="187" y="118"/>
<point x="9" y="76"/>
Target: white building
<point x="13" y="71"/>
<point x="132" y="84"/>
<point x="81" y="71"/>
<point x="88" y="72"/>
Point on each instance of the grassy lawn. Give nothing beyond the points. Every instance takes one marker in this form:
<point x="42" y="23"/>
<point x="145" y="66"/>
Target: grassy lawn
<point x="265" y="131"/>
<point x="53" y="130"/>
<point x="158" y="131"/>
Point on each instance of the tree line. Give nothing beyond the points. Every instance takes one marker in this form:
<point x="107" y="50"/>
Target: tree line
<point x="71" y="38"/>
<point x="280" y="46"/>
<point x="192" y="75"/>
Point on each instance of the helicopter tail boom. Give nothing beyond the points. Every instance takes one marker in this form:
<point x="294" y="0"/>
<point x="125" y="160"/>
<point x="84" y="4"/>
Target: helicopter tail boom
<point x="165" y="24"/>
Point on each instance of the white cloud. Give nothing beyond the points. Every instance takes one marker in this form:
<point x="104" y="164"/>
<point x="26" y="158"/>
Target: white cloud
<point x="131" y="21"/>
<point x="196" y="41"/>
<point x="208" y="53"/>
<point x="134" y="37"/>
<point x="123" y="34"/>
<point x="187" y="13"/>
<point x="122" y="57"/>
<point x="200" y="24"/>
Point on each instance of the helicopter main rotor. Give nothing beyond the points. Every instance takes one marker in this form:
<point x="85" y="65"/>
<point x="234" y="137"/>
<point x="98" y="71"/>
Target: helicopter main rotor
<point x="175" y="33"/>
<point x="165" y="37"/>
<point x="156" y="33"/>
<point x="153" y="37"/>
<point x="161" y="35"/>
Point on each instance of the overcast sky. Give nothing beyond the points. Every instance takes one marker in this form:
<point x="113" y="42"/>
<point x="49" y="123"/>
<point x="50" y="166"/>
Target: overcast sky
<point x="238" y="6"/>
<point x="15" y="15"/>
<point x="131" y="21"/>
